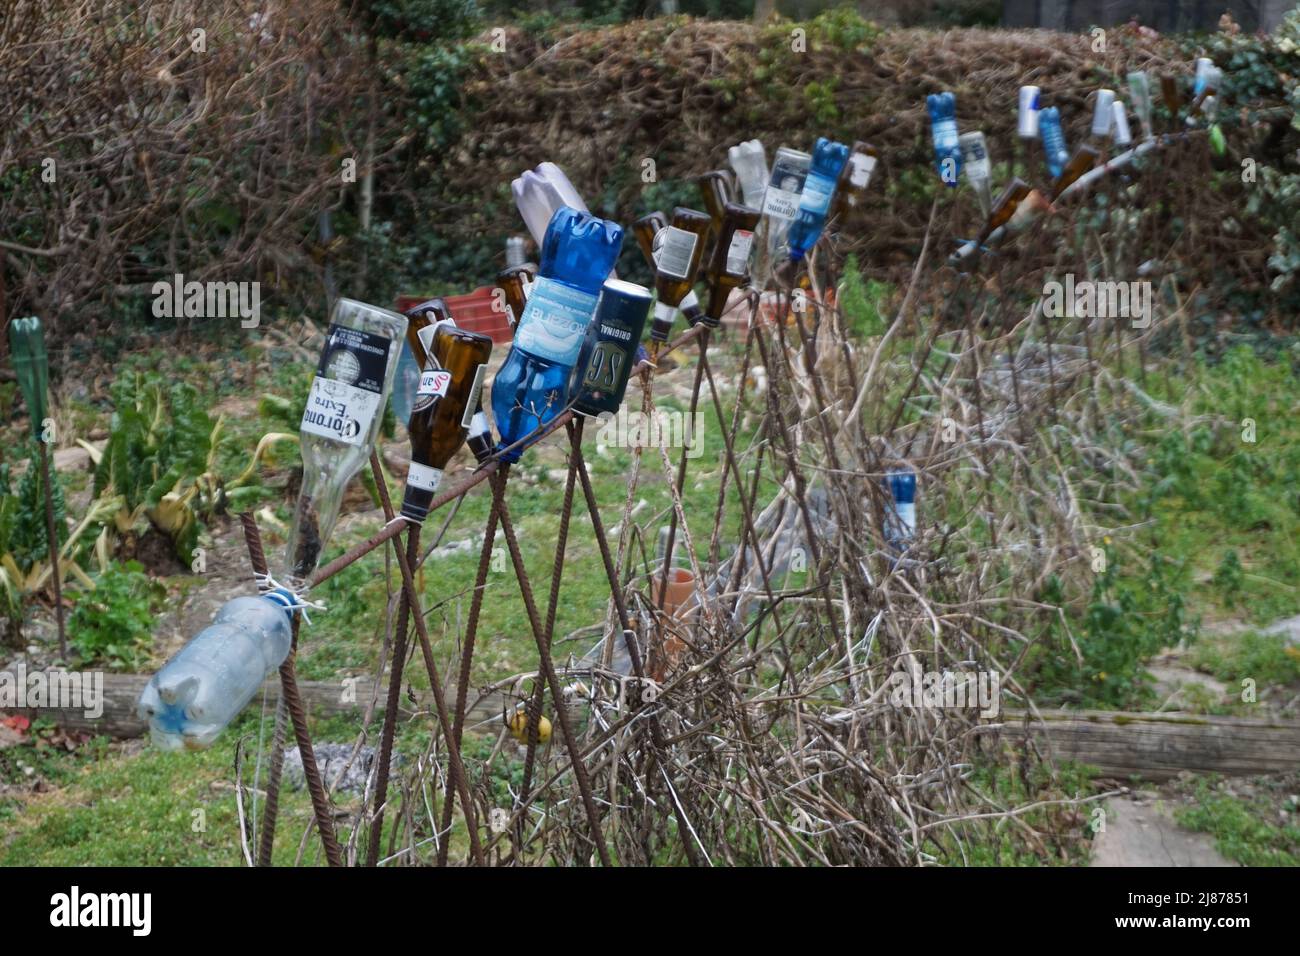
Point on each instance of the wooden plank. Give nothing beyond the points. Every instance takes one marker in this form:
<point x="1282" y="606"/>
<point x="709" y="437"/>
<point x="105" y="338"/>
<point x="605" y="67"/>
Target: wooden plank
<point x="1160" y="746"/>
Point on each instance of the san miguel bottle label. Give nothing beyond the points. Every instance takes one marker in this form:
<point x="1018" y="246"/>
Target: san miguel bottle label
<point x="433" y="384"/>
<point x="554" y="321"/>
<point x="348" y="390"/>
<point x="781" y="201"/>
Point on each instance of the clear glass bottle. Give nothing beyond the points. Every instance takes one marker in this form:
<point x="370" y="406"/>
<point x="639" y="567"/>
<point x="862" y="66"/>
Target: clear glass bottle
<point x="780" y="206"/>
<point x="979" y="171"/>
<point x="340" y="423"/>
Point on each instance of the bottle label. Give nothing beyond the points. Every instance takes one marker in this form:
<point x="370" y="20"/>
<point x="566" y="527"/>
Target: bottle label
<point x="861" y="166"/>
<point x="475" y="391"/>
<point x="945" y="134"/>
<point x="975" y="159"/>
<point x="676" y="247"/>
<point x="554" y="321"/>
<point x="348" y="391"/>
<point x="742" y="240"/>
<point x="423" y="477"/>
<point x="817" y="192"/>
<point x="604" y="367"/>
<point x="434" y="383"/>
<point x="781" y="201"/>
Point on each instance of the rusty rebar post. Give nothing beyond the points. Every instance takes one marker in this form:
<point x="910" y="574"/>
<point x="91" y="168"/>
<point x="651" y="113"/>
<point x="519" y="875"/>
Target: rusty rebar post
<point x="534" y="714"/>
<point x="391" y="704"/>
<point x="553" y="682"/>
<point x="456" y="767"/>
<point x="271" y="804"/>
<point x="291" y="700"/>
<point x="467" y="658"/>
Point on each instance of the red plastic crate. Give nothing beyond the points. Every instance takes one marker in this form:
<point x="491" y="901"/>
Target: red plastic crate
<point x="472" y="311"/>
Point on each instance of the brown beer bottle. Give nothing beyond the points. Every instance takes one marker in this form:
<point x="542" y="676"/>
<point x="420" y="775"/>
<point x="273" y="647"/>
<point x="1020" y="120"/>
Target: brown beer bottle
<point x="728" y="268"/>
<point x="646" y="229"/>
<point x="1084" y="158"/>
<point x="422" y="316"/>
<point x="1004" y="208"/>
<point x="851" y="191"/>
<point x="677" y="262"/>
<point x="515" y="282"/>
<point x="450" y="392"/>
<point x="715" y="190"/>
<point x="1173" y="99"/>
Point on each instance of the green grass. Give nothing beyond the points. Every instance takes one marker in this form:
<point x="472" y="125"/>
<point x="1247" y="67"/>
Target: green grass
<point x="1261" y="830"/>
<point x="1266" y="659"/>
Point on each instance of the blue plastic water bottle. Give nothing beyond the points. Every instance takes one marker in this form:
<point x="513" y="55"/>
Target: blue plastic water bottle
<point x="1054" y="149"/>
<point x="900" y="521"/>
<point x="943" y="130"/>
<point x="577" y="255"/>
<point x="828" y="161"/>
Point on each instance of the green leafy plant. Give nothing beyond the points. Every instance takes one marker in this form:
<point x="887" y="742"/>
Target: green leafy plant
<point x="1229" y="578"/>
<point x="160" y="459"/>
<point x="113" y="623"/>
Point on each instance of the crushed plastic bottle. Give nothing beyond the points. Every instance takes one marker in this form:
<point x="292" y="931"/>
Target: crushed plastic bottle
<point x="208" y="682"/>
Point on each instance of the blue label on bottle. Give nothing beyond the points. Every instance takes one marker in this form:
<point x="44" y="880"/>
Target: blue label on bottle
<point x="817" y="192"/>
<point x="554" y="321"/>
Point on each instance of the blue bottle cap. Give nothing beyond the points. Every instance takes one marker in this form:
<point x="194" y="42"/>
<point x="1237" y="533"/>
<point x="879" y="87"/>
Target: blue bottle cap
<point x="902" y="485"/>
<point x="283" y="597"/>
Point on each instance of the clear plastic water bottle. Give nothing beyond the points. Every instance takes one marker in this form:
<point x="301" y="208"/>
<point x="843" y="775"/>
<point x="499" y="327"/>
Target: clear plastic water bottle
<point x="538" y="199"/>
<point x="340" y="423"/>
<point x="208" y="682"/>
<point x="942" y="108"/>
<point x="828" y="162"/>
<point x="1053" y="137"/>
<point x="530" y="389"/>
<point x="749" y="160"/>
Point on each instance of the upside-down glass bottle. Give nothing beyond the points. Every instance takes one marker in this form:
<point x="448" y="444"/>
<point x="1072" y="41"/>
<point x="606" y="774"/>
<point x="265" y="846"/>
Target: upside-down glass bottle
<point x="345" y="408"/>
